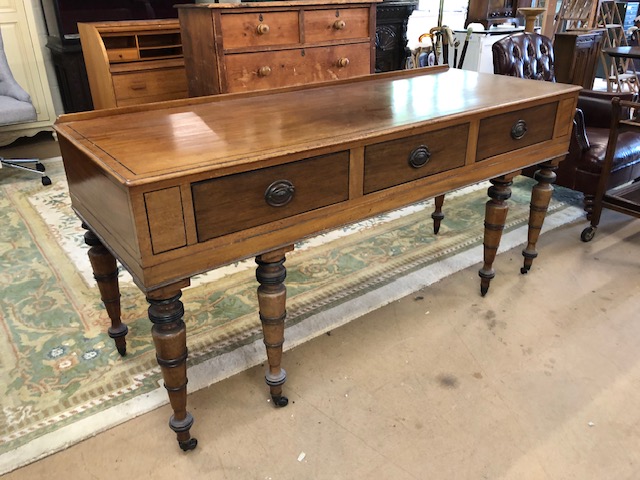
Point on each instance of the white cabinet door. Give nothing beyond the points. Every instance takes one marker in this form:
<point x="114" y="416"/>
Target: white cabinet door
<point x="24" y="54"/>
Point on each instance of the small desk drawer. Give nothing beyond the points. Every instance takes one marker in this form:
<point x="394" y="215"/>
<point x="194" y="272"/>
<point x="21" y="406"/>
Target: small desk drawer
<point x="237" y="202"/>
<point x="399" y="161"/>
<point x="336" y="24"/>
<point x="265" y="70"/>
<point x="511" y="131"/>
<point x="256" y="29"/>
<point x="151" y="83"/>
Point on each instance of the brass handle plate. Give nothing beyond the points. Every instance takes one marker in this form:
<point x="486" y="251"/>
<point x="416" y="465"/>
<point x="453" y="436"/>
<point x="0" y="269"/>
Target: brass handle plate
<point x="419" y="156"/>
<point x="279" y="193"/>
<point x="519" y="130"/>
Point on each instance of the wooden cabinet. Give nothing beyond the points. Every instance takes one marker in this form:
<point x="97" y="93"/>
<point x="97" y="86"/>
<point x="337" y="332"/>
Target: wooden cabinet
<point x="258" y="46"/>
<point x="135" y="62"/>
<point x="576" y="56"/>
<point x="24" y="54"/>
<point x="495" y="12"/>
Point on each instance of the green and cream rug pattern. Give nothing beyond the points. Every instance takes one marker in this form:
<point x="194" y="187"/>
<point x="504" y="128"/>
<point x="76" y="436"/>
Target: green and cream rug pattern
<point x="60" y="375"/>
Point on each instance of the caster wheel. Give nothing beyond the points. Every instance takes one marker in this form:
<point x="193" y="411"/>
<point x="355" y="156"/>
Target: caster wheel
<point x="40" y="167"/>
<point x="588" y="234"/>
<point x="46" y="181"/>
<point x="190" y="444"/>
<point x="280" y="401"/>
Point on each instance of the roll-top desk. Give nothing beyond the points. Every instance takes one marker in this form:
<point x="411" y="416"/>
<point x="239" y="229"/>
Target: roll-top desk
<point x="177" y="188"/>
<point x="240" y="47"/>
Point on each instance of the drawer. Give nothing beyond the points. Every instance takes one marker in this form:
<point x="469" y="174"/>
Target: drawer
<point x="256" y="29"/>
<point x="265" y="70"/>
<point x="149" y="84"/>
<point x="116" y="55"/>
<point x="237" y="202"/>
<point x="510" y="131"/>
<point x="400" y="161"/>
<point x="336" y="24"/>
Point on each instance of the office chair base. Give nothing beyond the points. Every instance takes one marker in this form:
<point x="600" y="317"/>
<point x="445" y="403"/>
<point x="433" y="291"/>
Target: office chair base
<point x="21" y="163"/>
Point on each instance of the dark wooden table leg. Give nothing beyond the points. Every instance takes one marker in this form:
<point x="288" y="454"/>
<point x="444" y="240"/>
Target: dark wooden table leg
<point x="437" y="215"/>
<point x="495" y="217"/>
<point x="540" y="198"/>
<point x="272" y="295"/>
<point x="170" y="338"/>
<point x="105" y="271"/>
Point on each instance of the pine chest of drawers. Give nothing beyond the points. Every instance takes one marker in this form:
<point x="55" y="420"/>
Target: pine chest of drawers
<point x="244" y="47"/>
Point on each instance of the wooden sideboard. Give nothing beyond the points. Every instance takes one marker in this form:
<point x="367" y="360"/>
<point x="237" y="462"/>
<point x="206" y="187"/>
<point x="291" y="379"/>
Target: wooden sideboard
<point x="240" y="47"/>
<point x="177" y="188"/>
<point x="133" y="62"/>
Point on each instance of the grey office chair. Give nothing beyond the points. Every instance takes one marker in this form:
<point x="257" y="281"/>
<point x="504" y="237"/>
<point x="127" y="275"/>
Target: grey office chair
<point x="16" y="107"/>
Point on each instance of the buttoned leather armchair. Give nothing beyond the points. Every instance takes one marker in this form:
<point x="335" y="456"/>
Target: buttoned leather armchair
<point x="530" y="55"/>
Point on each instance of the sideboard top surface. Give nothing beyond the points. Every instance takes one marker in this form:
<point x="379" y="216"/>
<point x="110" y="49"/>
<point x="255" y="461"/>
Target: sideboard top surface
<point x="229" y="131"/>
<point x="262" y="5"/>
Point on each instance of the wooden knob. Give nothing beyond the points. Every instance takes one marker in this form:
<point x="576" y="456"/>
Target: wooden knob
<point x="339" y="24"/>
<point x="343" y="62"/>
<point x="264" y="71"/>
<point x="262" y="29"/>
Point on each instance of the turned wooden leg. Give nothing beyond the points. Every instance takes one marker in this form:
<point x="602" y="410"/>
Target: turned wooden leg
<point x="540" y="198"/>
<point x="495" y="217"/>
<point x="272" y="295"/>
<point x="437" y="215"/>
<point x="170" y="338"/>
<point x="105" y="271"/>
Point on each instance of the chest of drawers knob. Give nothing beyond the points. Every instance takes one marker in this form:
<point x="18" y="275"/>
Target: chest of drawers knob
<point x="264" y="71"/>
<point x="419" y="156"/>
<point x="279" y="193"/>
<point x="519" y="130"/>
<point x="343" y="62"/>
<point x="339" y="24"/>
<point x="262" y="29"/>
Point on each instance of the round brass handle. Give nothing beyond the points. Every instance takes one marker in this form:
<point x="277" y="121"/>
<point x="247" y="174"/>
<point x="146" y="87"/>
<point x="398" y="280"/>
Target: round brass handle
<point x="419" y="156"/>
<point x="519" y="130"/>
<point x="264" y="71"/>
<point x="343" y="62"/>
<point x="262" y="29"/>
<point x="279" y="193"/>
<point x="339" y="24"/>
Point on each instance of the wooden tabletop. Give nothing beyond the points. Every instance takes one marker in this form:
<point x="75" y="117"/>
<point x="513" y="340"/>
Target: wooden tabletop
<point x="624" y="52"/>
<point x="227" y="131"/>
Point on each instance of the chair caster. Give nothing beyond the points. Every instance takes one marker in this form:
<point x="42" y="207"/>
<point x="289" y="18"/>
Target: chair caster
<point x="39" y="167"/>
<point x="190" y="444"/>
<point x="588" y="234"/>
<point x="46" y="181"/>
<point x="280" y="400"/>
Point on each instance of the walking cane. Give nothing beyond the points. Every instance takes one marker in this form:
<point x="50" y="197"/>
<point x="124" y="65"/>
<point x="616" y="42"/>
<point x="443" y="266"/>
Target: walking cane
<point x="464" y="47"/>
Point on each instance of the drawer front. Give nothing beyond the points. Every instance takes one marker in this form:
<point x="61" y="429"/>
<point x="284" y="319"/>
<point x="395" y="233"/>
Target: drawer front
<point x="399" y="161"/>
<point x="237" y="202"/>
<point x="510" y="131"/>
<point x="149" y="84"/>
<point x="256" y="29"/>
<point x="336" y="24"/>
<point x="259" y="71"/>
<point x="116" y="55"/>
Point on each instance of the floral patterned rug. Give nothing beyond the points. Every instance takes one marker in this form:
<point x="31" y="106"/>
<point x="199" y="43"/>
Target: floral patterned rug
<point x="61" y="379"/>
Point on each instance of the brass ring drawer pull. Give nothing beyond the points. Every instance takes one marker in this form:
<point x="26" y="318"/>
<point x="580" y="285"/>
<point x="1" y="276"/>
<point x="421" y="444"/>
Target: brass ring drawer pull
<point x="343" y="62"/>
<point x="262" y="29"/>
<point x="279" y="193"/>
<point x="264" y="71"/>
<point x="519" y="130"/>
<point x="339" y="24"/>
<point x="419" y="157"/>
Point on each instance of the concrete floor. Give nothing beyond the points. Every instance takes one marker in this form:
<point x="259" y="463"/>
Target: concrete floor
<point x="538" y="380"/>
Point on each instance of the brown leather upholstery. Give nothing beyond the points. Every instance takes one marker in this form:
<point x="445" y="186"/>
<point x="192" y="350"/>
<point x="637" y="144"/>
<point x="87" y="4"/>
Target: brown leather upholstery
<point x="530" y="55"/>
<point x="524" y="55"/>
